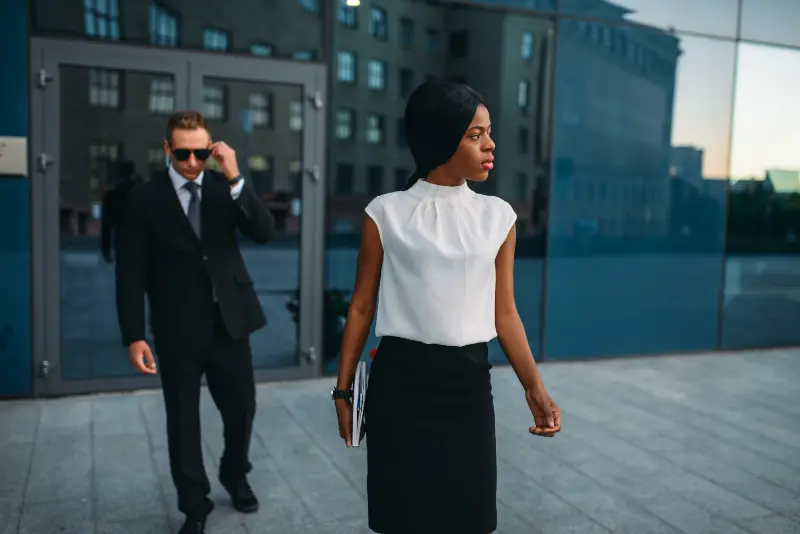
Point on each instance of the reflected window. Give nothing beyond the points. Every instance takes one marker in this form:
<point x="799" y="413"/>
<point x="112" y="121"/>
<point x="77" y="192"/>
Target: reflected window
<point x="163" y="26"/>
<point x="162" y="95"/>
<point x="346" y="67"/>
<point x="304" y="55"/>
<point x="432" y="38"/>
<point x="309" y="5"/>
<point x="524" y="96"/>
<point x="406" y="32"/>
<point x="376" y="74"/>
<point x="295" y="116"/>
<point x="378" y="26"/>
<point x="406" y="82"/>
<point x="262" y="49"/>
<point x="260" y="106"/>
<point x="347" y="15"/>
<point x="375" y="129"/>
<point x="524" y="140"/>
<point x="374" y="180"/>
<point x="215" y="39"/>
<point x="260" y="173"/>
<point x="527" y="45"/>
<point x="156" y="160"/>
<point x="104" y="88"/>
<point x="344" y="179"/>
<point x="101" y="19"/>
<point x="458" y="44"/>
<point x="101" y="155"/>
<point x="214" y="105"/>
<point x="345" y="119"/>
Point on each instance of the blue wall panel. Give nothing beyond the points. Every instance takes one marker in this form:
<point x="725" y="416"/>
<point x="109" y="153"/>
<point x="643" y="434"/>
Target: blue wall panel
<point x="15" y="238"/>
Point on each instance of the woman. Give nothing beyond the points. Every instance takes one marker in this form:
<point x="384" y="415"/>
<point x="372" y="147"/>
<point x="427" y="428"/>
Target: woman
<point x="443" y="257"/>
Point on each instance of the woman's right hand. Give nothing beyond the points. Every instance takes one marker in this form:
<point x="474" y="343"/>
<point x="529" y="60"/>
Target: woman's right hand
<point x="344" y="413"/>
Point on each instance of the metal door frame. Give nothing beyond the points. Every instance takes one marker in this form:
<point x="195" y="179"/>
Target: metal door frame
<point x="188" y="68"/>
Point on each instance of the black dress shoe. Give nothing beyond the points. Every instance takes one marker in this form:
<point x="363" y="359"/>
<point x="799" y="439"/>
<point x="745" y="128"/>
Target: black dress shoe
<point x="193" y="526"/>
<point x="242" y="496"/>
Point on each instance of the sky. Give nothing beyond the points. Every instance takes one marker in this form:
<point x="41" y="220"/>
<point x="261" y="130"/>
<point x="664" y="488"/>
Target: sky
<point x="763" y="99"/>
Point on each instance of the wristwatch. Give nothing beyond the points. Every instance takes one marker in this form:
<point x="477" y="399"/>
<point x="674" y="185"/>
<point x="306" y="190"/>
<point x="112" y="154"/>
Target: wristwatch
<point x="341" y="393"/>
<point x="235" y="180"/>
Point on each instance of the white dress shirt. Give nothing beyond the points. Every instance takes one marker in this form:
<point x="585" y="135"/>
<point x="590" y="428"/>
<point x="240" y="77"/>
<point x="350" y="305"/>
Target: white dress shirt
<point x="438" y="276"/>
<point x="184" y="196"/>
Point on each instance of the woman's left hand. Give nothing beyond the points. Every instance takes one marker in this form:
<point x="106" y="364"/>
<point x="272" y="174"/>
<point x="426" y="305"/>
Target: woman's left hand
<point x="546" y="413"/>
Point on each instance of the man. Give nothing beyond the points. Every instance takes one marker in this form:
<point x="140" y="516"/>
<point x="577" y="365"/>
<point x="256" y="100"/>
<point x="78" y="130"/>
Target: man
<point x="179" y="246"/>
<point x="113" y="206"/>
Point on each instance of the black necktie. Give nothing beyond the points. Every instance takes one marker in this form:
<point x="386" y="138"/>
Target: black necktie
<point x="194" y="206"/>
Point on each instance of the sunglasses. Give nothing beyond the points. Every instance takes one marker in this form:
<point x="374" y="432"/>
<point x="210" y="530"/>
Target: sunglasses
<point x="182" y="154"/>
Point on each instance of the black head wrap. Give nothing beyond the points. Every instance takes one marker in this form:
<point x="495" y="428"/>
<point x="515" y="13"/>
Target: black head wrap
<point x="437" y="115"/>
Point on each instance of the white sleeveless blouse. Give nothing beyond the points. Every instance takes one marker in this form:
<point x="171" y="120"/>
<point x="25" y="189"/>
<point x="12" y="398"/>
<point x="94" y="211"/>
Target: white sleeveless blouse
<point x="438" y="276"/>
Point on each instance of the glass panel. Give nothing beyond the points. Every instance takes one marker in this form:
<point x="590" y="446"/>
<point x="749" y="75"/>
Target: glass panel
<point x="714" y="17"/>
<point x="640" y="167"/>
<point x="270" y="155"/>
<point x="368" y="155"/>
<point x="762" y="283"/>
<point x="107" y="134"/>
<point x="771" y="21"/>
<point x="290" y="25"/>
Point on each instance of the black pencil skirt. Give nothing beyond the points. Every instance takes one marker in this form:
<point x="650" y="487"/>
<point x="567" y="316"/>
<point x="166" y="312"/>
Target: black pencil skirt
<point x="430" y="437"/>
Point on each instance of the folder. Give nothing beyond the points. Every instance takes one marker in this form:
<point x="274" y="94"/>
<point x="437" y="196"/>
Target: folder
<point x="359" y="396"/>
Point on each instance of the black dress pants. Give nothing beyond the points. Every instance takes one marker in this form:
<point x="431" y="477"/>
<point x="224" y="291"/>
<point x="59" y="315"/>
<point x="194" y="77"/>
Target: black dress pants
<point x="228" y="367"/>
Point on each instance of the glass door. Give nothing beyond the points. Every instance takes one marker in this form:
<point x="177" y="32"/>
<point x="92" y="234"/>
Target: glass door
<point x="99" y="115"/>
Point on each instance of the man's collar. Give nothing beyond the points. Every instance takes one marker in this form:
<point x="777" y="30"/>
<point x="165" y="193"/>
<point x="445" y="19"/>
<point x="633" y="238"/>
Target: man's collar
<point x="179" y="181"/>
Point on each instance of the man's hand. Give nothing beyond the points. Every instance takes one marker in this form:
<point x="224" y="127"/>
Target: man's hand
<point x="142" y="358"/>
<point x="344" y="413"/>
<point x="226" y="157"/>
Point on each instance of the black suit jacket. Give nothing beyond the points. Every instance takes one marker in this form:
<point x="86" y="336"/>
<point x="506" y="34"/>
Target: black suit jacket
<point x="159" y="254"/>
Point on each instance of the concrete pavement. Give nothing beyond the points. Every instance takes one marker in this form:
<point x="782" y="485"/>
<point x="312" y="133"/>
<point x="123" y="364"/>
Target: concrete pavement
<point x="695" y="444"/>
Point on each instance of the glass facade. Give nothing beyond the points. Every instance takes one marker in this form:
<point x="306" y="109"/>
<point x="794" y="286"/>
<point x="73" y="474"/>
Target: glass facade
<point x="649" y="148"/>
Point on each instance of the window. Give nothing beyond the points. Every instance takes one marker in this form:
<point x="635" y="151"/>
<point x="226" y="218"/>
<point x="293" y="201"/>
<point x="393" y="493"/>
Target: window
<point x="401" y="176"/>
<point x="260" y="173"/>
<point x="344" y="124"/>
<point x="346" y="67"/>
<point x="524" y="140"/>
<point x="295" y="116"/>
<point x="376" y="74"/>
<point x="214" y="102"/>
<point x="377" y="23"/>
<point x="214" y="39"/>
<point x="406" y="82"/>
<point x="527" y="45"/>
<point x="296" y="176"/>
<point x="400" y="133"/>
<point x="374" y="180"/>
<point x="524" y="96"/>
<point x="347" y="15"/>
<point x="406" y="32"/>
<point x="375" y="129"/>
<point x="262" y="49"/>
<point x="163" y="27"/>
<point x="162" y="95"/>
<point x="260" y="105"/>
<point x="309" y="5"/>
<point x="431" y="41"/>
<point x="344" y="179"/>
<point x="104" y="88"/>
<point x="458" y="44"/>
<point x="101" y="18"/>
<point x="101" y="153"/>
<point x="305" y="55"/>
<point x="156" y="160"/>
